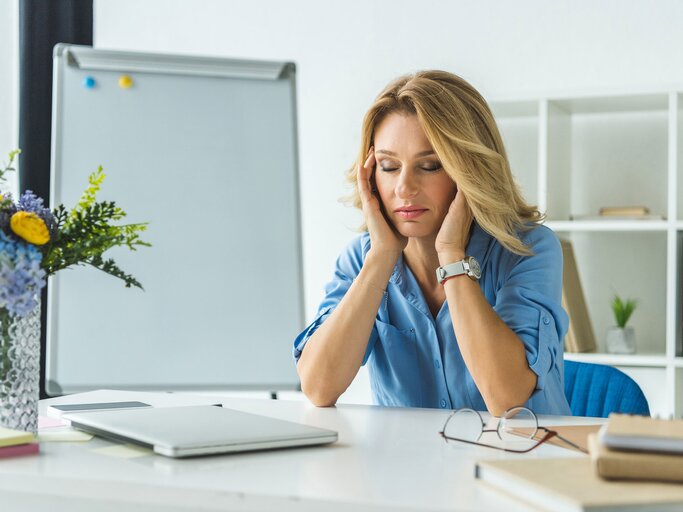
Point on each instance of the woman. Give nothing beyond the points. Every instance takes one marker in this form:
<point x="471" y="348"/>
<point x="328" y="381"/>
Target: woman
<point x="452" y="294"/>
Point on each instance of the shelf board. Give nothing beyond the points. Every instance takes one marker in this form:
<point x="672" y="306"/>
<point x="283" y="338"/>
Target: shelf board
<point x="608" y="225"/>
<point x="651" y="360"/>
<point x="678" y="362"/>
<point x="606" y="104"/>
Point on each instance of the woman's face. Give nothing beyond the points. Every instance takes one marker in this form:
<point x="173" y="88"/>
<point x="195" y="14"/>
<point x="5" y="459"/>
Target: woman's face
<point x="415" y="190"/>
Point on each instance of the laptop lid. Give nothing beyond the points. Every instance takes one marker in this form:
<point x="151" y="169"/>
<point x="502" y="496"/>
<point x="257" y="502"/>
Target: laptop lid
<point x="198" y="430"/>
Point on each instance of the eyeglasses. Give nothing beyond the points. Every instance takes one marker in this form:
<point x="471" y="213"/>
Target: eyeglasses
<point x="515" y="424"/>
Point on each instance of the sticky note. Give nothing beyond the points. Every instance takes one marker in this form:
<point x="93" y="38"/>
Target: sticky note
<point x="10" y="437"/>
<point x="123" y="451"/>
<point x="47" y="422"/>
<point x="70" y="435"/>
<point x="18" y="450"/>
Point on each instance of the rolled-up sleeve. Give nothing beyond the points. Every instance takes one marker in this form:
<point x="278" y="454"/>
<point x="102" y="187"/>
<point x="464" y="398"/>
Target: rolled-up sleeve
<point x="530" y="303"/>
<point x="347" y="268"/>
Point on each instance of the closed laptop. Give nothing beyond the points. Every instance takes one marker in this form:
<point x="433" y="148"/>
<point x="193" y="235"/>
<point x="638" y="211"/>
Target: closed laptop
<point x="198" y="430"/>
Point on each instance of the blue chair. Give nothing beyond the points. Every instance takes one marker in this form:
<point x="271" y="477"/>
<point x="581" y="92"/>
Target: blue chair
<point x="597" y="390"/>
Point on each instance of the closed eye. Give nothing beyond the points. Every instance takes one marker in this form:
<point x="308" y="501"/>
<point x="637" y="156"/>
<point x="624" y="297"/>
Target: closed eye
<point x="432" y="168"/>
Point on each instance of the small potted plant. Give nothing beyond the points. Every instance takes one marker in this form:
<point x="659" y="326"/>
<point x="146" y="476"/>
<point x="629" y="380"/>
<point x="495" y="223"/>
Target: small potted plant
<point x="621" y="339"/>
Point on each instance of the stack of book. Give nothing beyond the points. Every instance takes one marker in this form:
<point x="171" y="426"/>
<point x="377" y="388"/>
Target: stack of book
<point x="15" y="442"/>
<point x="635" y="463"/>
<point x="639" y="448"/>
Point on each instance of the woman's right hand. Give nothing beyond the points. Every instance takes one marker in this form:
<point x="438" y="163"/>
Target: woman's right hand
<point x="383" y="236"/>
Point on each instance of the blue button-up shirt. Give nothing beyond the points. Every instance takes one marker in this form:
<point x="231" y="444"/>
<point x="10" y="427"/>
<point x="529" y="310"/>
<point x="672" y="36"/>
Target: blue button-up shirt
<point x="414" y="358"/>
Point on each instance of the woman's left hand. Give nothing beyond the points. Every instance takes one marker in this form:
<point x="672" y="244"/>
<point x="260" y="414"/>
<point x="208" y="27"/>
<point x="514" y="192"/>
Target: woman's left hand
<point x="451" y="241"/>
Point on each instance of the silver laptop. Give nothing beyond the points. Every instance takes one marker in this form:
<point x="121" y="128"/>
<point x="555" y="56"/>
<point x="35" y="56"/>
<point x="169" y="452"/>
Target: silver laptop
<point x="198" y="430"/>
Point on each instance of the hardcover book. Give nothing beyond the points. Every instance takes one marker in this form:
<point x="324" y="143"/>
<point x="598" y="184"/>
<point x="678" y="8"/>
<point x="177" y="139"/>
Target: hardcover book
<point x="580" y="337"/>
<point x="627" y="432"/>
<point x="571" y="485"/>
<point x="630" y="465"/>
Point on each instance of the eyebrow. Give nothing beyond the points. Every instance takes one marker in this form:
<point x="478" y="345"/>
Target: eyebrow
<point x="417" y="155"/>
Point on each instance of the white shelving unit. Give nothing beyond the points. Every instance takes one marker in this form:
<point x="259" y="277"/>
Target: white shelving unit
<point x="574" y="153"/>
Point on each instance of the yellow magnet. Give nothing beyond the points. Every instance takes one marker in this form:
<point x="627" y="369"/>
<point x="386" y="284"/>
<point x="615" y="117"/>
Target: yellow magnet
<point x="125" y="82"/>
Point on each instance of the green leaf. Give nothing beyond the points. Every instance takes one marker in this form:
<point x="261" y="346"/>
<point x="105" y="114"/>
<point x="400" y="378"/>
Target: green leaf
<point x="8" y="165"/>
<point x="622" y="310"/>
<point x="90" y="229"/>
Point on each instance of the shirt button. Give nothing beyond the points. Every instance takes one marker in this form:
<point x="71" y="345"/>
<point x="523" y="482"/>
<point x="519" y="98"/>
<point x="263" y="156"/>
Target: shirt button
<point x="443" y="403"/>
<point x="546" y="320"/>
<point x="411" y="296"/>
<point x="437" y="364"/>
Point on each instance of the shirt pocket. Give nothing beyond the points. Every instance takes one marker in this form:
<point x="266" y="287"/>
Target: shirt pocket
<point x="397" y="373"/>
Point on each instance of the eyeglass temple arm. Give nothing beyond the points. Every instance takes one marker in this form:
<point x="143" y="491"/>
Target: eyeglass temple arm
<point x="549" y="435"/>
<point x="564" y="439"/>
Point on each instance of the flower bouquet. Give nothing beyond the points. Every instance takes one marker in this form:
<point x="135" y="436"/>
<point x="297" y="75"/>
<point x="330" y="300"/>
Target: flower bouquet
<point x="35" y="243"/>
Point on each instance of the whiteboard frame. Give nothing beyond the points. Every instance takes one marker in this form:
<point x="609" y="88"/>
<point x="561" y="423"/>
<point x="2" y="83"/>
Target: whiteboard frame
<point x="86" y="57"/>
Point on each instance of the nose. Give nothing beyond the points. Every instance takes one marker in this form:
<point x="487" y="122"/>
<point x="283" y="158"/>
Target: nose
<point x="407" y="185"/>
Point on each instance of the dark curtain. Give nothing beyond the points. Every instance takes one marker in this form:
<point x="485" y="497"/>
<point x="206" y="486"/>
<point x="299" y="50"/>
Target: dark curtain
<point x="42" y="24"/>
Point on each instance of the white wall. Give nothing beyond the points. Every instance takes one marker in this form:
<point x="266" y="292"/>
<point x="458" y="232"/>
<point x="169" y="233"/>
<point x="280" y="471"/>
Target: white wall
<point x="9" y="85"/>
<point x="346" y="51"/>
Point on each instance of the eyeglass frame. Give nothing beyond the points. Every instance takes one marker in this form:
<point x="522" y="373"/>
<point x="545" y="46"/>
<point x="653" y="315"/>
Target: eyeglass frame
<point x="549" y="434"/>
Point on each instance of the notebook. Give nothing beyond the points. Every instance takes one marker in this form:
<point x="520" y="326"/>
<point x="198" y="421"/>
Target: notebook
<point x="571" y="485"/>
<point x="198" y="430"/>
<point x="635" y="465"/>
<point x="626" y="432"/>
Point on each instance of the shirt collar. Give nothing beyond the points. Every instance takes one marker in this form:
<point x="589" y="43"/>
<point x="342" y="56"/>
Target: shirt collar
<point x="478" y="246"/>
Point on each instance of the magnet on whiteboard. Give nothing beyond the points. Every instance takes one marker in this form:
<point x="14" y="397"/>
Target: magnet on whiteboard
<point x="125" y="82"/>
<point x="89" y="82"/>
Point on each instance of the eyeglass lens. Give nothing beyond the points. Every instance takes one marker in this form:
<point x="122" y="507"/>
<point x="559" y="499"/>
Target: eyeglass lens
<point x="516" y="423"/>
<point x="464" y="424"/>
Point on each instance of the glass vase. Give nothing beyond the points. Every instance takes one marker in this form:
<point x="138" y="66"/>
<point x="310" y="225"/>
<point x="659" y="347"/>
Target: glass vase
<point x="20" y="370"/>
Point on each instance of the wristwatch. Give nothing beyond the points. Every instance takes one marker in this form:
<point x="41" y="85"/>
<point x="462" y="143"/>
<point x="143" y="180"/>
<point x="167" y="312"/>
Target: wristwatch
<point x="469" y="266"/>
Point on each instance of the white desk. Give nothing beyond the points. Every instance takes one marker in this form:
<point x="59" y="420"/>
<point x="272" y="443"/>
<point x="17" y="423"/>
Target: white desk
<point x="385" y="459"/>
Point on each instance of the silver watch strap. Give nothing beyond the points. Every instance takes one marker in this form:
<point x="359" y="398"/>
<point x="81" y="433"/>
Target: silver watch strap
<point x="452" y="269"/>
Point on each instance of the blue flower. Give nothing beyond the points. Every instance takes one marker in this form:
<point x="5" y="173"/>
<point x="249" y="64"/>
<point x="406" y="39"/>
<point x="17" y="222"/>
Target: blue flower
<point x="21" y="277"/>
<point x="29" y="202"/>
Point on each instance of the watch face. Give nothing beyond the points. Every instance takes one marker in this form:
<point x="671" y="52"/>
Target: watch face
<point x="475" y="269"/>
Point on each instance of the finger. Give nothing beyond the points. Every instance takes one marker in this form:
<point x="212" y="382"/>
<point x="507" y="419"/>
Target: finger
<point x="460" y="201"/>
<point x="363" y="188"/>
<point x="363" y="177"/>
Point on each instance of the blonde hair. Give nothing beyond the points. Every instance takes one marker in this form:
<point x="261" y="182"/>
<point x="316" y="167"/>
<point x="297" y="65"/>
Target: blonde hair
<point x="460" y="127"/>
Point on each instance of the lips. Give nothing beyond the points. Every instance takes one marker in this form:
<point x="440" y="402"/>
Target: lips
<point x="410" y="212"/>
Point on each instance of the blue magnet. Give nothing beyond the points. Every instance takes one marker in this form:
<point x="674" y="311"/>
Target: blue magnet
<point x="89" y="82"/>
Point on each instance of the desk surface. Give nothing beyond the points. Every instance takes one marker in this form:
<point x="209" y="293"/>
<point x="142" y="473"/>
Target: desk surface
<point x="385" y="459"/>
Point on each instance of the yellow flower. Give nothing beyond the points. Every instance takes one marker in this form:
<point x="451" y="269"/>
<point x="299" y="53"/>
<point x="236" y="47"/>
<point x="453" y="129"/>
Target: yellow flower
<point x="30" y="227"/>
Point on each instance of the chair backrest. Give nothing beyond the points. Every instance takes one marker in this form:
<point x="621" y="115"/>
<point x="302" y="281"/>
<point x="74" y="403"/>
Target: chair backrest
<point x="597" y="390"/>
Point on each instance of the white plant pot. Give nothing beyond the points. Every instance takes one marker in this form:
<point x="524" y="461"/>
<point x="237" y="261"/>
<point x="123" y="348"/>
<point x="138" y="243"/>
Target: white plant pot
<point x="621" y="340"/>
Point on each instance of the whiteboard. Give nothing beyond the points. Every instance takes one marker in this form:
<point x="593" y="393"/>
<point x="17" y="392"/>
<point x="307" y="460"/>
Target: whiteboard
<point x="205" y="150"/>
